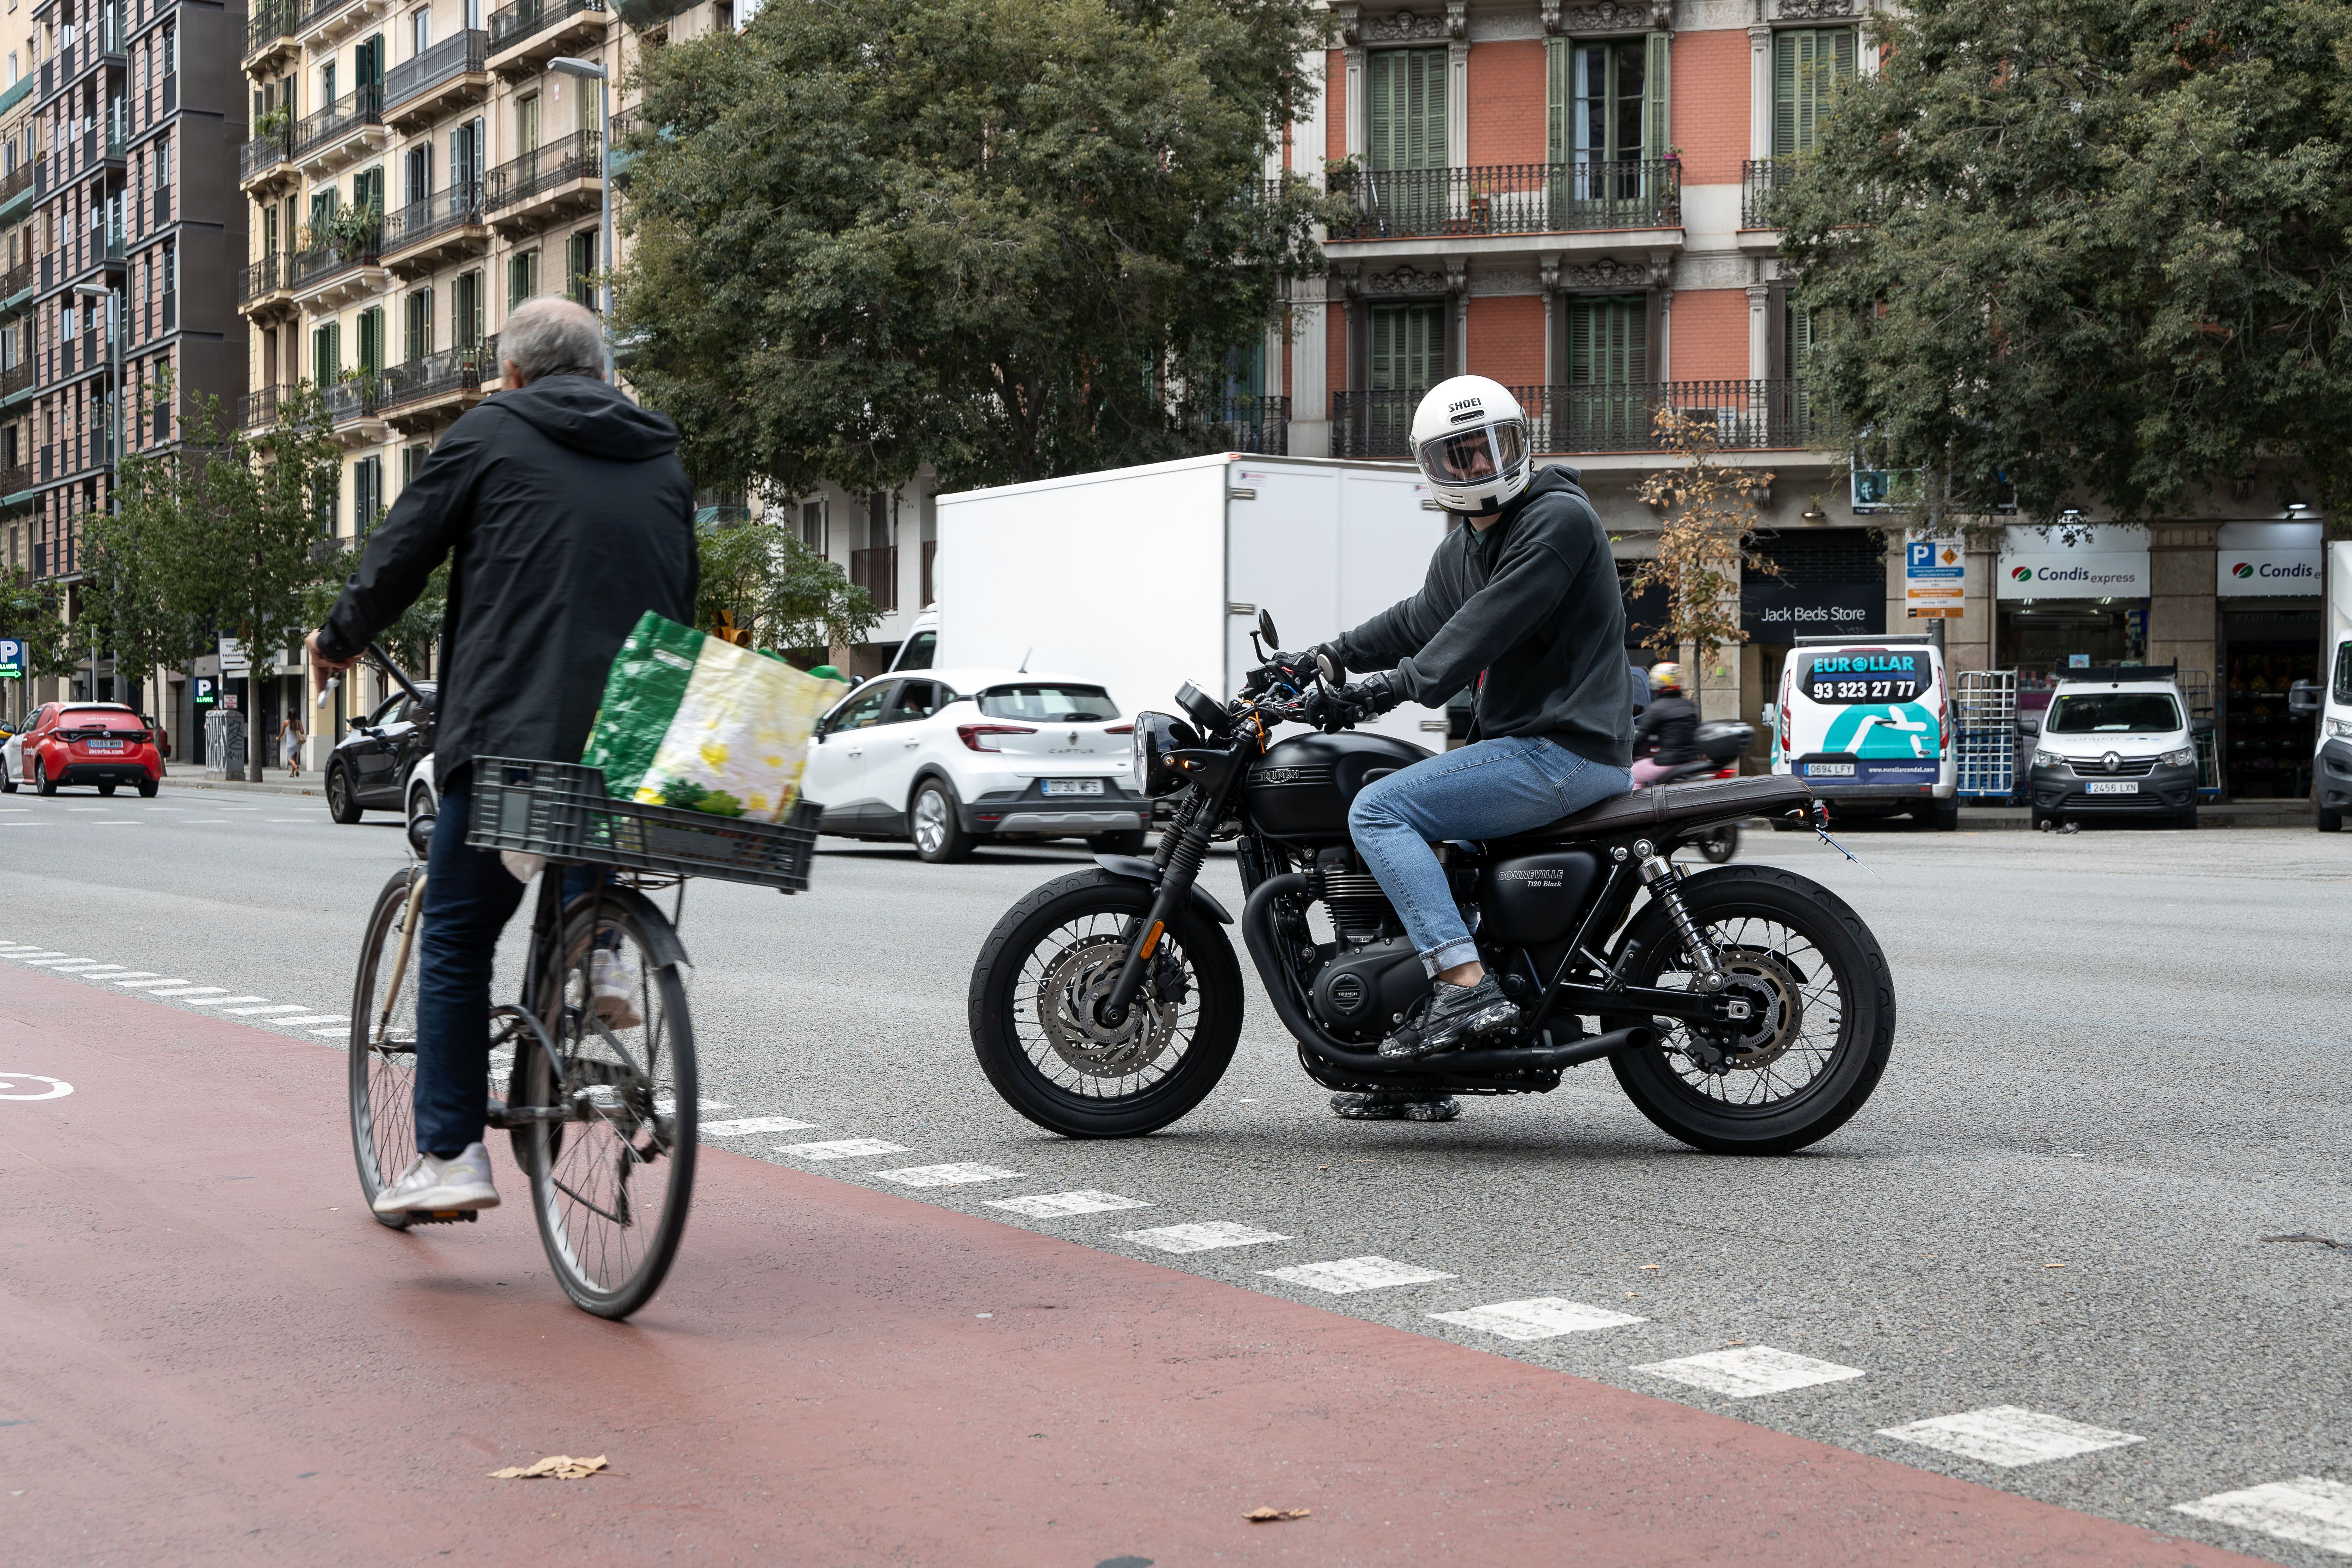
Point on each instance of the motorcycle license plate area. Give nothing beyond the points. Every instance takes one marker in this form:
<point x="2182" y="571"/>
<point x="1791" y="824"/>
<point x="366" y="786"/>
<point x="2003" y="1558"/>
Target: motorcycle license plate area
<point x="2113" y="786"/>
<point x="1074" y="787"/>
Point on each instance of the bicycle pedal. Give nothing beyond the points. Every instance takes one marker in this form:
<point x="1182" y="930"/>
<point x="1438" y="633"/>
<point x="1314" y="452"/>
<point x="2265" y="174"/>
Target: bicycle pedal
<point x="495" y="1118"/>
<point x="442" y="1216"/>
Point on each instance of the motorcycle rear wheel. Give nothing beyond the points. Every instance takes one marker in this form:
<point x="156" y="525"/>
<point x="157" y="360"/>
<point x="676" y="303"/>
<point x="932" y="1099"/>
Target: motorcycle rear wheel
<point x="1814" y="1061"/>
<point x="1032" y="1027"/>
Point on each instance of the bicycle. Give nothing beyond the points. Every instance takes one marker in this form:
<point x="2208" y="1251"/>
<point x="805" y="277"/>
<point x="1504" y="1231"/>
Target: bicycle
<point x="592" y="1070"/>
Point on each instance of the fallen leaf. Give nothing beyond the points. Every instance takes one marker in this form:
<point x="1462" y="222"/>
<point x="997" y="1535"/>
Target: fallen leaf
<point x="2053" y="1266"/>
<point x="561" y="1466"/>
<point x="1649" y="1266"/>
<point x="1275" y="1515"/>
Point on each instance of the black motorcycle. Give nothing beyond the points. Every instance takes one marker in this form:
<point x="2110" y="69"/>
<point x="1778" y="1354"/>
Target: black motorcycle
<point x="1744" y="1009"/>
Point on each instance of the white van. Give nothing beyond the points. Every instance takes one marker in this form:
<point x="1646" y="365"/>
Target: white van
<point x="921" y="649"/>
<point x="2115" y="742"/>
<point x="2330" y="701"/>
<point x="1866" y="722"/>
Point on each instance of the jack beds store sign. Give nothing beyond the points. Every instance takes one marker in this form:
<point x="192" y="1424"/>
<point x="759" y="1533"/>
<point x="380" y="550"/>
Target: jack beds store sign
<point x="1772" y="611"/>
<point x="2267" y="560"/>
<point x="2102" y="563"/>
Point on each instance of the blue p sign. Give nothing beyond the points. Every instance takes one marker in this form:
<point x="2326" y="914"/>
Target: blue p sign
<point x="11" y="659"/>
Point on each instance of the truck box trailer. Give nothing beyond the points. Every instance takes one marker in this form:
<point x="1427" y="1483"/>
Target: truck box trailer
<point x="1145" y="578"/>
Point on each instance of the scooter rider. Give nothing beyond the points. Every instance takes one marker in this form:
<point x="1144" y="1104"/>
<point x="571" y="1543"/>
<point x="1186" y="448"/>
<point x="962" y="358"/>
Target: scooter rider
<point x="1670" y="722"/>
<point x="1523" y="604"/>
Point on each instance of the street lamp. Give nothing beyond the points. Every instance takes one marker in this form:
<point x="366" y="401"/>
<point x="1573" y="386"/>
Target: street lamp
<point x="589" y="70"/>
<point x="113" y="431"/>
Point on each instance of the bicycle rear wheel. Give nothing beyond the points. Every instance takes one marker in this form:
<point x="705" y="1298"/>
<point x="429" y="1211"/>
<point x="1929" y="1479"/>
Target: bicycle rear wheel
<point x="608" y="1137"/>
<point x="382" y="1045"/>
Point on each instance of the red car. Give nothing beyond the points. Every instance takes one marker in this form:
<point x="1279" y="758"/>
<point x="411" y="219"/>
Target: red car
<point x="102" y="743"/>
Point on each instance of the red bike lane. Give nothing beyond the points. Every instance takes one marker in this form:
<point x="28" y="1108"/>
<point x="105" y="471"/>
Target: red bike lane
<point x="212" y="1354"/>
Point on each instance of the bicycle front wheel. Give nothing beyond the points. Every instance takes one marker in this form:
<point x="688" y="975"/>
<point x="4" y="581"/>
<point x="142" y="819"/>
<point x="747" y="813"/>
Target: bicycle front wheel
<point x="383" y="1046"/>
<point x="608" y="1138"/>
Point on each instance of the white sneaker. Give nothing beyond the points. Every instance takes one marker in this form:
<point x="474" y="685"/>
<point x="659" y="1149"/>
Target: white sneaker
<point x="612" y="981"/>
<point x="462" y="1182"/>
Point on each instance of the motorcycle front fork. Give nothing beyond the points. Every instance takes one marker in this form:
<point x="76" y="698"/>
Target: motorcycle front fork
<point x="1182" y="848"/>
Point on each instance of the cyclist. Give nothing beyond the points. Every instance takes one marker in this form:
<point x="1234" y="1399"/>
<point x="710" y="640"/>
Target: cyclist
<point x="1522" y="604"/>
<point x="1671" y="721"/>
<point x="566" y="515"/>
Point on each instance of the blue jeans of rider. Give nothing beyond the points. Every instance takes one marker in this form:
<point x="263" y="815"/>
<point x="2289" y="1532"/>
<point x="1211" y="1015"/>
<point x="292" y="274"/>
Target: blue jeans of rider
<point x="469" y="896"/>
<point x="1489" y="789"/>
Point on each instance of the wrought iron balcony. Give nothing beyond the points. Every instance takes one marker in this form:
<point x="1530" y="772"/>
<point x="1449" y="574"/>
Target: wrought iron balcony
<point x="1757" y="176"/>
<point x="15" y="479"/>
<point x="266" y="276"/>
<point x="16" y="181"/>
<point x="436" y="374"/>
<point x="268" y="21"/>
<point x="20" y="377"/>
<point x="18" y="279"/>
<point x="1259" y="424"/>
<point x="1748" y="416"/>
<point x="265" y="153"/>
<point x="579" y="156"/>
<point x="454" y="206"/>
<point x="452" y="57"/>
<point x="1509" y="198"/>
<point x="307" y="268"/>
<point x="309" y="11"/>
<point x="357" y="397"/>
<point x="511" y="25"/>
<point x="363" y="106"/>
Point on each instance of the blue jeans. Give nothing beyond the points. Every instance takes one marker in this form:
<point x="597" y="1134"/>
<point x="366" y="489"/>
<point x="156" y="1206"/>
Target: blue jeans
<point x="1489" y="789"/>
<point x="469" y="897"/>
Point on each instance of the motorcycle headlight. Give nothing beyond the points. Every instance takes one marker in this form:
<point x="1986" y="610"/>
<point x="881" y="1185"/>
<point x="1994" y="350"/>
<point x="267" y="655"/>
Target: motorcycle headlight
<point x="2179" y="759"/>
<point x="2047" y="760"/>
<point x="1156" y="735"/>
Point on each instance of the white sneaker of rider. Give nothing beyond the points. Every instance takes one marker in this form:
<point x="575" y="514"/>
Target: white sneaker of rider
<point x="434" y="1185"/>
<point x="613" y="983"/>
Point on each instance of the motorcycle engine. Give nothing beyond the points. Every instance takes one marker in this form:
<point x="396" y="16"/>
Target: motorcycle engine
<point x="1371" y="975"/>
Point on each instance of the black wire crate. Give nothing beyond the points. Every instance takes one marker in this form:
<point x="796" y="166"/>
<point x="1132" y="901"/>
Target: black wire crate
<point x="560" y="810"/>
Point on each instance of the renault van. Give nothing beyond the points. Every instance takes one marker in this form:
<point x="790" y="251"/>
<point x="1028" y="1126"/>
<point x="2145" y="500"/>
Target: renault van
<point x="2115" y="743"/>
<point x="1866" y="722"/>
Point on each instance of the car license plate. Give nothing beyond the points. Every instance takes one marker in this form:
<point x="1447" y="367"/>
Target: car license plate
<point x="2114" y="786"/>
<point x="1829" y="770"/>
<point x="1074" y="787"/>
<point x="106" y="745"/>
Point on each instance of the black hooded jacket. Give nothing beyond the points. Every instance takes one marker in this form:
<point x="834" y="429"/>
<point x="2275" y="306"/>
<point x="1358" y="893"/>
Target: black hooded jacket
<point x="569" y="516"/>
<point x="1533" y="603"/>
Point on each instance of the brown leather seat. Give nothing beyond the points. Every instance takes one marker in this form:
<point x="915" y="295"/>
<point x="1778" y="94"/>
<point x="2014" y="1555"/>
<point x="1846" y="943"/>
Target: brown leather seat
<point x="1660" y="805"/>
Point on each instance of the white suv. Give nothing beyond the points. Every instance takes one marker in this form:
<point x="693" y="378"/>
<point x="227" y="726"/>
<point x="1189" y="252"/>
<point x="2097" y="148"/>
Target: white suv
<point x="950" y="758"/>
<point x="2117" y="746"/>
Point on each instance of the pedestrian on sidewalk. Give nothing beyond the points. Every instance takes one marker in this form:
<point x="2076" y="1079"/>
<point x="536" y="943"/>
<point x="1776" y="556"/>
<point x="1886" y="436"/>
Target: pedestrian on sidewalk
<point x="289" y="741"/>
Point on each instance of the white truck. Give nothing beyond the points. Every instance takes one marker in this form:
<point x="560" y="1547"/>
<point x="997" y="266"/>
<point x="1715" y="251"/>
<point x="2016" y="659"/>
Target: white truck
<point x="1145" y="578"/>
<point x="2329" y="700"/>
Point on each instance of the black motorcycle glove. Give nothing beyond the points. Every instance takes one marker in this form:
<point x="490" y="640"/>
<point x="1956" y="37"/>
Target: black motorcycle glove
<point x="1374" y="694"/>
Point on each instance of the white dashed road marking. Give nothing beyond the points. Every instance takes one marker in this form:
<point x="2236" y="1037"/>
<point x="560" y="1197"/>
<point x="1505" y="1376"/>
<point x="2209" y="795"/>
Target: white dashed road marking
<point x="1541" y="1318"/>
<point x="1203" y="1238"/>
<point x="959" y="1175"/>
<point x="2008" y="1436"/>
<point x="218" y="1001"/>
<point x="219" y="991"/>
<point x="2308" y="1509"/>
<point x="279" y="1007"/>
<point x="755" y="1124"/>
<point x="1745" y="1374"/>
<point x="1347" y="1276"/>
<point x="148" y="985"/>
<point x="333" y="1031"/>
<point x="1060" y="1206"/>
<point x="842" y="1149"/>
<point x="54" y="962"/>
<point x="313" y="1019"/>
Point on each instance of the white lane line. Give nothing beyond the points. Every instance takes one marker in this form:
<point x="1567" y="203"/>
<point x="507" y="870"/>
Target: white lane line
<point x="120" y="974"/>
<point x="37" y="953"/>
<point x="1060" y="1206"/>
<point x="2308" y="1510"/>
<point x="317" y="1018"/>
<point x="276" y="1007"/>
<point x="204" y="822"/>
<point x="219" y="991"/>
<point x="1203" y="1238"/>
<point x="754" y="1124"/>
<point x="841" y="1149"/>
<point x="1347" y="1276"/>
<point x="2008" y="1435"/>
<point x="53" y="963"/>
<point x="113" y="822"/>
<point x="147" y="984"/>
<point x="213" y="1001"/>
<point x="346" y="1025"/>
<point x="1538" y="1318"/>
<point x="959" y="1175"/>
<point x="1745" y="1374"/>
<point x="84" y="971"/>
<point x="289" y="819"/>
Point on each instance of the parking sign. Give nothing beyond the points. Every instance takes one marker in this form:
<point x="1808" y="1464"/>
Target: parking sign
<point x="11" y="659"/>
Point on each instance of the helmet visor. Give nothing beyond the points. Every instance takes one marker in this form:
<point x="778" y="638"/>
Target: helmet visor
<point x="1468" y="457"/>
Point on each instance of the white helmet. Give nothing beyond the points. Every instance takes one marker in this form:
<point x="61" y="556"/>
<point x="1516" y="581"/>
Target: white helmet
<point x="1470" y="437"/>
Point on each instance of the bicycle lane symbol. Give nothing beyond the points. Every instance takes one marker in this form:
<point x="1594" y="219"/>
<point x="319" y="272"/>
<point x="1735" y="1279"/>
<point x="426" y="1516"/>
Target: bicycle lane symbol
<point x="16" y="1085"/>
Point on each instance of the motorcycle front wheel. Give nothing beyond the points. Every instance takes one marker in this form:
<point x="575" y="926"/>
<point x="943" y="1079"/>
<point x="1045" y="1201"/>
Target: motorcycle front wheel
<point x="1033" y="1018"/>
<point x="1800" y="1068"/>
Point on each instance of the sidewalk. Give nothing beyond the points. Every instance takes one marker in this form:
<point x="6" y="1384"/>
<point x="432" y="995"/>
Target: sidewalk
<point x="181" y="776"/>
<point x="215" y="1356"/>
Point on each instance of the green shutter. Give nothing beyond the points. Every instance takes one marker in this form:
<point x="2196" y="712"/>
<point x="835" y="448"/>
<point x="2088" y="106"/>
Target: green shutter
<point x="1657" y="119"/>
<point x="1406" y="123"/>
<point x="1408" y="347"/>
<point x="1560" y="87"/>
<point x="1784" y="95"/>
<point x="1799" y="333"/>
<point x="1809" y="69"/>
<point x="1607" y="342"/>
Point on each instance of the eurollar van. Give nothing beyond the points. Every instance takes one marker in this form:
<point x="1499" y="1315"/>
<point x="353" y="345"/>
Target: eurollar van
<point x="1867" y="722"/>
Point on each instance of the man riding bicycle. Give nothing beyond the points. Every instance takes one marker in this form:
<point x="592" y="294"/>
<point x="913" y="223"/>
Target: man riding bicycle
<point x="1523" y="605"/>
<point x="565" y="515"/>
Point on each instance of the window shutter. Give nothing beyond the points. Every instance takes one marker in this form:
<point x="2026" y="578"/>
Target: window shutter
<point x="1556" y="98"/>
<point x="1430" y="113"/>
<point x="1842" y="61"/>
<point x="1784" y="95"/>
<point x="1657" y="119"/>
<point x="1580" y="343"/>
<point x="1384" y="346"/>
<point x="1382" y="117"/>
<point x="1634" y="363"/>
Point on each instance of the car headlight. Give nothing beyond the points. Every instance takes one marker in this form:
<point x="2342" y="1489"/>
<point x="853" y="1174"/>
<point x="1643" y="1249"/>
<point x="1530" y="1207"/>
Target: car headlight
<point x="2339" y="728"/>
<point x="2179" y="759"/>
<point x="2047" y="760"/>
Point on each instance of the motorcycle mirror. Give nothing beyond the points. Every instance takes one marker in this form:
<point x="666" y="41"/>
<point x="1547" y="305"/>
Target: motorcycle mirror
<point x="1328" y="667"/>
<point x="1265" y="629"/>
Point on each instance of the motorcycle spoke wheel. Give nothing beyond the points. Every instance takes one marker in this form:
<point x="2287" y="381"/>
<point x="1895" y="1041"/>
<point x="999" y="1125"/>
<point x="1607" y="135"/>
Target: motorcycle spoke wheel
<point x="1053" y="1010"/>
<point x="1786" y="1053"/>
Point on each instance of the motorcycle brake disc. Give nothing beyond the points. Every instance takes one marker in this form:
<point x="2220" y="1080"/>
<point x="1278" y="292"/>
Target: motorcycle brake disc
<point x="1761" y="1041"/>
<point x="1072" y="983"/>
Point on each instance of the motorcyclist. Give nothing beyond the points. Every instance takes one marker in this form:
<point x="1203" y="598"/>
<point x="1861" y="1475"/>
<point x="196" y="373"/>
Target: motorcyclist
<point x="1522" y="604"/>
<point x="1666" y="734"/>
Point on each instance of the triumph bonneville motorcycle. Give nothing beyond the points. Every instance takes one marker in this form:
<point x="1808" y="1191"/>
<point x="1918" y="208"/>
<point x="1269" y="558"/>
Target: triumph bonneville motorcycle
<point x="1744" y="1009"/>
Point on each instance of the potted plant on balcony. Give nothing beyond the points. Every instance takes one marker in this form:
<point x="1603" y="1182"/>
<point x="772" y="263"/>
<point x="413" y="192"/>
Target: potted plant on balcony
<point x="270" y="125"/>
<point x="347" y="231"/>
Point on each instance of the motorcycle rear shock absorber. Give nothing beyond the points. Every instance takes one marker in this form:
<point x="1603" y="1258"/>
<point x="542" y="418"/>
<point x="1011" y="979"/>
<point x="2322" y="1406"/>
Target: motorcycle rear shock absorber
<point x="1665" y="886"/>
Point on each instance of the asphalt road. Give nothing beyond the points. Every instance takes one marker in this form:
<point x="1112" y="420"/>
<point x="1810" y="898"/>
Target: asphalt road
<point x="2120" y="1064"/>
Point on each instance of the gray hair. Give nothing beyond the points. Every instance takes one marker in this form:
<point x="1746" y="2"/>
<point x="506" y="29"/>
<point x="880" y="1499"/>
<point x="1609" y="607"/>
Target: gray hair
<point x="553" y="336"/>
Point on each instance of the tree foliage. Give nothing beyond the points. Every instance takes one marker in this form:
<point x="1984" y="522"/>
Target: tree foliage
<point x="34" y="613"/>
<point x="2088" y="247"/>
<point x="1706" y="513"/>
<point x="772" y="591"/>
<point x="1005" y="238"/>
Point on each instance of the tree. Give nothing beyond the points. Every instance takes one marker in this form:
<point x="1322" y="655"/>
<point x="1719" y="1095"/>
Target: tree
<point x="34" y="613"/>
<point x="1706" y="515"/>
<point x="415" y="639"/>
<point x="774" y="592"/>
<point x="1003" y="238"/>
<point x="2069" y="246"/>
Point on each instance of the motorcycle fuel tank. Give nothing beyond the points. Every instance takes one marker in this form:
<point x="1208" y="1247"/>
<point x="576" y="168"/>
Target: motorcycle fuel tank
<point x="1532" y="900"/>
<point x="1303" y="787"/>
